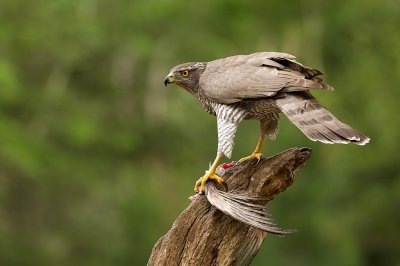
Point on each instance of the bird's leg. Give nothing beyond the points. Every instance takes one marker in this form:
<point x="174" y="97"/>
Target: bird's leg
<point x="209" y="174"/>
<point x="257" y="151"/>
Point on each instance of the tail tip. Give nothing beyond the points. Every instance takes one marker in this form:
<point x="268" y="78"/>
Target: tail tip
<point x="362" y="141"/>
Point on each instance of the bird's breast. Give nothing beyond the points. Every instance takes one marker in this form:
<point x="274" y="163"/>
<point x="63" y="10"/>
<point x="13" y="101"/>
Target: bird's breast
<point x="208" y="106"/>
<point x="258" y="109"/>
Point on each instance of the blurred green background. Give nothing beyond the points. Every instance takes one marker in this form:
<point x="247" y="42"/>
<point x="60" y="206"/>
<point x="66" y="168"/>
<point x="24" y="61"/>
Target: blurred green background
<point x="98" y="158"/>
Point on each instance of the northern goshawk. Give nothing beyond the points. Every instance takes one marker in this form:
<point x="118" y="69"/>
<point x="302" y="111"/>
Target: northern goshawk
<point x="260" y="86"/>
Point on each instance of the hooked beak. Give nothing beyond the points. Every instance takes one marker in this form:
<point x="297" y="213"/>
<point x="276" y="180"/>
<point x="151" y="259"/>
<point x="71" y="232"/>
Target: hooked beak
<point x="170" y="78"/>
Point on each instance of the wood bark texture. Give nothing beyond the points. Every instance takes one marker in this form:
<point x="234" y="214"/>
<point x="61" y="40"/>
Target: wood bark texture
<point x="203" y="235"/>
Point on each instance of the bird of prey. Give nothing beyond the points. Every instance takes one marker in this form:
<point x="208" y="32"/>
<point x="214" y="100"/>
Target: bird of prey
<point x="260" y="86"/>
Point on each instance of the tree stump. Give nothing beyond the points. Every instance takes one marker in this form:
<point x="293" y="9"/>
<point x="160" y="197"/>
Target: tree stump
<point x="203" y="235"/>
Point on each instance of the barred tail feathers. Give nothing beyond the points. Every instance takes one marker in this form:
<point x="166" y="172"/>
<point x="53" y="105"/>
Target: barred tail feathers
<point x="316" y="122"/>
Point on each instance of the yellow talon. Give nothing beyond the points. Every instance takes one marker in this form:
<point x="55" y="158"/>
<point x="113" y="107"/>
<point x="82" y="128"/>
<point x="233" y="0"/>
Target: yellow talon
<point x="257" y="155"/>
<point x="203" y="180"/>
<point x="210" y="174"/>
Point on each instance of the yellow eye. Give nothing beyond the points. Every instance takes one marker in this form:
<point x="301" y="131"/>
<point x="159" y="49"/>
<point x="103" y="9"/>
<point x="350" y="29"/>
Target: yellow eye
<point x="185" y="73"/>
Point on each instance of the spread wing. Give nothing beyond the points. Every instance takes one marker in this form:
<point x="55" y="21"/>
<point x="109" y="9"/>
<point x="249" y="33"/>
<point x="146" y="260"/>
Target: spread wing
<point x="235" y="78"/>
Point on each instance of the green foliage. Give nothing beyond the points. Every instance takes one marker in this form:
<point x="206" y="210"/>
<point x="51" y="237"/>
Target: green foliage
<point x="97" y="158"/>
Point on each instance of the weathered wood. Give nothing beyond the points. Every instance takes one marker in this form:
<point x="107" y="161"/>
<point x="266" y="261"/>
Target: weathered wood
<point x="203" y="235"/>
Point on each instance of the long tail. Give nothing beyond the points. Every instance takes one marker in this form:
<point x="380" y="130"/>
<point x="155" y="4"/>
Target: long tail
<point x="317" y="123"/>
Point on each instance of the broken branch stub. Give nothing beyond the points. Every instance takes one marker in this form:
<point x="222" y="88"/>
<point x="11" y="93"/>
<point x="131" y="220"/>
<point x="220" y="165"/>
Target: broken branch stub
<point x="203" y="235"/>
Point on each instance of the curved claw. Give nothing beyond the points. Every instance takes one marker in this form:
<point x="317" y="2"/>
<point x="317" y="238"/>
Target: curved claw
<point x="257" y="155"/>
<point x="201" y="183"/>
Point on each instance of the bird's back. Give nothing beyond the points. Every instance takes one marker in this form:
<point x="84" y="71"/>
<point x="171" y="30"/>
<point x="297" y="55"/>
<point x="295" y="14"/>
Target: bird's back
<point x="258" y="75"/>
<point x="262" y="85"/>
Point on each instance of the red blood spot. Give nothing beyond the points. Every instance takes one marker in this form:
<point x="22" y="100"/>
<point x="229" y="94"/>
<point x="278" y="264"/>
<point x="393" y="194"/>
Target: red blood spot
<point x="228" y="165"/>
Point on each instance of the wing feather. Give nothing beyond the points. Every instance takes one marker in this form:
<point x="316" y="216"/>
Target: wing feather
<point x="235" y="78"/>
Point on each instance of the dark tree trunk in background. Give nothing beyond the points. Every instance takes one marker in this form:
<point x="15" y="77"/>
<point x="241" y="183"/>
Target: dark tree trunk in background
<point x="203" y="235"/>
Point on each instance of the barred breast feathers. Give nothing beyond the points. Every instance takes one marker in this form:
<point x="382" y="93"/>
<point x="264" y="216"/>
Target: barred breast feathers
<point x="228" y="118"/>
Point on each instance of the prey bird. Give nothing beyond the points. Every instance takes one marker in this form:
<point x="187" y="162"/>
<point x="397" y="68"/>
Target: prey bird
<point x="260" y="86"/>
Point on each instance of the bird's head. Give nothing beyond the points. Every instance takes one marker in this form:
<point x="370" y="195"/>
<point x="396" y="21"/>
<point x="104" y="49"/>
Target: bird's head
<point x="186" y="75"/>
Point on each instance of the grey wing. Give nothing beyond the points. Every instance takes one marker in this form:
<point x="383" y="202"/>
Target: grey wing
<point x="235" y="78"/>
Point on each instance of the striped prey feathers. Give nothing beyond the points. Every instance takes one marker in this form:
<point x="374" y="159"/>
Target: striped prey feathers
<point x="243" y="208"/>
